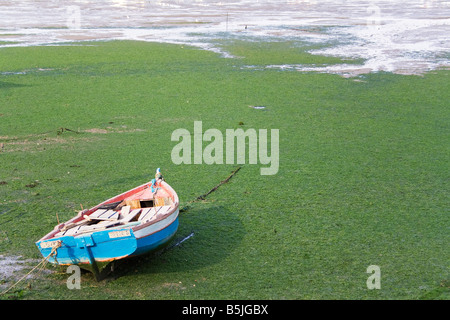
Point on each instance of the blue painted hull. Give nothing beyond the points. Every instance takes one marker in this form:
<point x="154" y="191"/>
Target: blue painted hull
<point x="156" y="240"/>
<point x="105" y="246"/>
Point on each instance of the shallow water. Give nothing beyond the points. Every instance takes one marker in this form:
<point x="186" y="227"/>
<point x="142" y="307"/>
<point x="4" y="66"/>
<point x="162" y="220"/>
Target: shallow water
<point x="409" y="37"/>
<point x="11" y="265"/>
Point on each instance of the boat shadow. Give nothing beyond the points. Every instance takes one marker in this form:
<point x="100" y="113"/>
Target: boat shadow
<point x="206" y="236"/>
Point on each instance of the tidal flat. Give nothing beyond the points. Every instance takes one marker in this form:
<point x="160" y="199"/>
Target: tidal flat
<point x="362" y="179"/>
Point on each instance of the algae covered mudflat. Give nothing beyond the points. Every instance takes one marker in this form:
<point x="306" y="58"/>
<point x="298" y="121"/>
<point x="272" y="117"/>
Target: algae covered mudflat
<point x="362" y="179"/>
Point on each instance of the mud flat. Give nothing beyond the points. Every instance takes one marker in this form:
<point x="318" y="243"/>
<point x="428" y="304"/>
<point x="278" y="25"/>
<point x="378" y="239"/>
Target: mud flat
<point x="407" y="37"/>
<point x="363" y="175"/>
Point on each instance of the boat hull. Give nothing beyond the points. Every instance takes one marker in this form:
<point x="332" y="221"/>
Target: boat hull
<point x="148" y="241"/>
<point x="95" y="250"/>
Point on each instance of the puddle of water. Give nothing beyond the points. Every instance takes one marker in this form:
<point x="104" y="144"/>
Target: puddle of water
<point x="258" y="107"/>
<point x="405" y="37"/>
<point x="14" y="267"/>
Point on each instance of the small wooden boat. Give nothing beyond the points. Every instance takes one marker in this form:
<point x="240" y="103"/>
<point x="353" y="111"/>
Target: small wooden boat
<point x="135" y="222"/>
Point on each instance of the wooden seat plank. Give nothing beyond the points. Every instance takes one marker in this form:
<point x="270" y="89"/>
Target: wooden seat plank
<point x="130" y="216"/>
<point x="143" y="214"/>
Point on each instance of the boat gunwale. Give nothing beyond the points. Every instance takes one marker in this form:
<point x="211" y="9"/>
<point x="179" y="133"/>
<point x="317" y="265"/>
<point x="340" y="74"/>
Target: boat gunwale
<point x="79" y="216"/>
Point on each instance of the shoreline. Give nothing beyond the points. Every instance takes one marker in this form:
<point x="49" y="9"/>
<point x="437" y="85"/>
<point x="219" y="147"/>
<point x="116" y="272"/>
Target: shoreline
<point x="411" y="38"/>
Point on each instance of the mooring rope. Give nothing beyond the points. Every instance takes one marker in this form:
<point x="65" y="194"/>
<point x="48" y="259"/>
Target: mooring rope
<point x="42" y="265"/>
<point x="203" y="196"/>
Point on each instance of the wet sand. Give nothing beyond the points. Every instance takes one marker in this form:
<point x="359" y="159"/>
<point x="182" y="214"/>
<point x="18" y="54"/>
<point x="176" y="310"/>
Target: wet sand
<point x="408" y="37"/>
